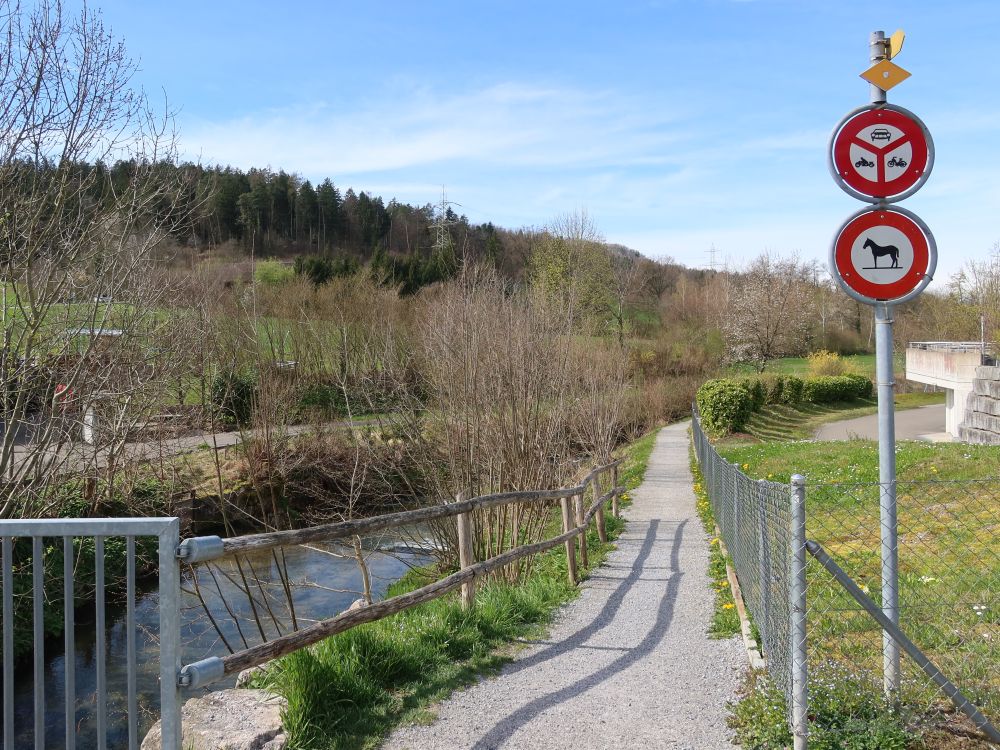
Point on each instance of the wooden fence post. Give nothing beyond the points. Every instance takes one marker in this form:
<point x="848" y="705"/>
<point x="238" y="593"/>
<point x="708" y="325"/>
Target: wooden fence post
<point x="578" y="501"/>
<point x="570" y="545"/>
<point x="615" y="511"/>
<point x="602" y="530"/>
<point x="466" y="555"/>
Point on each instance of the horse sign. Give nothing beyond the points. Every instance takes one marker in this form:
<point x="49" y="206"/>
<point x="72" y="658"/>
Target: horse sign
<point x="883" y="254"/>
<point x="881" y="153"/>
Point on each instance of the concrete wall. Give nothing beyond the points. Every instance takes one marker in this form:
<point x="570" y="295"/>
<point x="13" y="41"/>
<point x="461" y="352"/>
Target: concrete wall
<point x="952" y="369"/>
<point x="947" y="369"/>
<point x="981" y="424"/>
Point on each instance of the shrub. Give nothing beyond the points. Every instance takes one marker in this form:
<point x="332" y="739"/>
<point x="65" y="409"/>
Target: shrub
<point x="273" y="272"/>
<point x="830" y="388"/>
<point x="234" y="395"/>
<point x="863" y="386"/>
<point x="823" y="362"/>
<point x="322" y="399"/>
<point x="775" y="386"/>
<point x="791" y="390"/>
<point x="725" y="405"/>
<point x="758" y="392"/>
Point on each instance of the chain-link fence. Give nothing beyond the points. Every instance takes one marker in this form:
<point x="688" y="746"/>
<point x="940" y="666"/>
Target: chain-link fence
<point x="949" y="591"/>
<point x="754" y="520"/>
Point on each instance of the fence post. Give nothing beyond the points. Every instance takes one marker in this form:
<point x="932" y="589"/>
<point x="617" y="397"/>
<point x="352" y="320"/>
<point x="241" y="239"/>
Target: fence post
<point x="764" y="558"/>
<point x="466" y="556"/>
<point x="170" y="636"/>
<point x="602" y="530"/>
<point x="615" y="511"/>
<point x="578" y="502"/>
<point x="570" y="543"/>
<point x="797" y="608"/>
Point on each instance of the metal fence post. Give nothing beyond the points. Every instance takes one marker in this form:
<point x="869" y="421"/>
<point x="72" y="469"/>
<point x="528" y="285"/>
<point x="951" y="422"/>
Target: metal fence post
<point x="797" y="608"/>
<point x="763" y="559"/>
<point x="170" y="636"/>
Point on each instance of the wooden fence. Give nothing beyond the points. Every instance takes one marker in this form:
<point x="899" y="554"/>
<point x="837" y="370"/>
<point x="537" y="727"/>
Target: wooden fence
<point x="576" y="521"/>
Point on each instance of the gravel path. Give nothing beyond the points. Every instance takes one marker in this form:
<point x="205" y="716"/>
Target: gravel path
<point x="628" y="664"/>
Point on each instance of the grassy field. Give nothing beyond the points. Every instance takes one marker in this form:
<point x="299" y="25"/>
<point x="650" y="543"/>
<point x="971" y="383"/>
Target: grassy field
<point x="860" y="363"/>
<point x="949" y="517"/>
<point x="351" y="690"/>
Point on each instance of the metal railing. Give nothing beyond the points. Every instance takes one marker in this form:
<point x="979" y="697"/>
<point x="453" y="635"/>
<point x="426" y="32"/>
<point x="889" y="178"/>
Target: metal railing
<point x="816" y="632"/>
<point x="23" y="580"/>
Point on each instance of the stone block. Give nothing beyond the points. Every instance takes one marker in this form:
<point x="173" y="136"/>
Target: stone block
<point x="974" y="436"/>
<point x="229" y="720"/>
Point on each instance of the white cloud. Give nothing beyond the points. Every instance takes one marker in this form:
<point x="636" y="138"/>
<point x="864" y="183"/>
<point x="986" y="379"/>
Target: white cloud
<point x="505" y="125"/>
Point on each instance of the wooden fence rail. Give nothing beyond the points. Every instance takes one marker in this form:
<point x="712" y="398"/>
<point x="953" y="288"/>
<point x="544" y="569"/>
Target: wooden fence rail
<point x="345" y="529"/>
<point x="464" y="578"/>
<point x="287" y="644"/>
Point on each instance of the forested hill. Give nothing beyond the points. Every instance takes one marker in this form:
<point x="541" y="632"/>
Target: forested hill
<point x="279" y="214"/>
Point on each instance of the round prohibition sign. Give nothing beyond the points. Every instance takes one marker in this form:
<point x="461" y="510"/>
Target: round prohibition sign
<point x="881" y="153"/>
<point x="883" y="255"/>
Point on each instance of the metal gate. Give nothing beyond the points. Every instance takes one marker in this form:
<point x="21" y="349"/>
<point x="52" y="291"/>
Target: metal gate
<point x="30" y="565"/>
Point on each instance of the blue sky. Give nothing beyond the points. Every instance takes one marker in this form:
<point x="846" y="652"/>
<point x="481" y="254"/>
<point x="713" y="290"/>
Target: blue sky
<point x="676" y="125"/>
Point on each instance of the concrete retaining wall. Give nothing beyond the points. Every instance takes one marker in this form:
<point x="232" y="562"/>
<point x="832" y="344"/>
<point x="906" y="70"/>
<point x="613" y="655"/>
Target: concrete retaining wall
<point x="981" y="425"/>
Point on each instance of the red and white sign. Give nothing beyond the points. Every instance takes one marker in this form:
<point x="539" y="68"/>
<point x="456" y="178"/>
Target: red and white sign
<point x="882" y="254"/>
<point x="881" y="152"/>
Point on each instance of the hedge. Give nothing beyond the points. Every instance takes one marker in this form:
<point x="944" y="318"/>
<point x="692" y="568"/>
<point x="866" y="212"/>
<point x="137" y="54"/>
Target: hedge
<point x="791" y="393"/>
<point x="829" y="388"/>
<point x="725" y="405"/>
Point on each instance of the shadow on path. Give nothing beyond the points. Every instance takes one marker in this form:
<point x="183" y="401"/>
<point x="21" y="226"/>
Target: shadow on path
<point x="665" y="613"/>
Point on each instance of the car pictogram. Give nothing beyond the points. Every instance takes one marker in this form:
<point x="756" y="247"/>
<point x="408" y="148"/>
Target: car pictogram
<point x="881" y="134"/>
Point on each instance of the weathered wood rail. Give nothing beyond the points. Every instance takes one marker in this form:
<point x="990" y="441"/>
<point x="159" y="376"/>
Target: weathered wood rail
<point x="205" y="548"/>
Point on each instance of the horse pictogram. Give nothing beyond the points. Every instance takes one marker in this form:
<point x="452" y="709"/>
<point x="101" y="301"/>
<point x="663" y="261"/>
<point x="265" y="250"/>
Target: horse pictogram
<point x="879" y="250"/>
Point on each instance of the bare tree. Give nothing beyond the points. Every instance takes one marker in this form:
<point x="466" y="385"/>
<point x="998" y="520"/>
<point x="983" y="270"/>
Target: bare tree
<point x="82" y="312"/>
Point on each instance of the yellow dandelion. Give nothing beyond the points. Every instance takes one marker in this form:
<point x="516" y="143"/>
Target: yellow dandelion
<point x="728" y="605"/>
<point x="746" y="466"/>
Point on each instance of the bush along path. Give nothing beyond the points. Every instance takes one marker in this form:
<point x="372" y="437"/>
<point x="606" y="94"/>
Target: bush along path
<point x="628" y="664"/>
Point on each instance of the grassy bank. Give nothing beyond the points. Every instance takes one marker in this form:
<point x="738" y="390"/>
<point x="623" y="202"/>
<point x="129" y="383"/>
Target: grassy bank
<point x="949" y="505"/>
<point x="352" y="689"/>
<point x="784" y="422"/>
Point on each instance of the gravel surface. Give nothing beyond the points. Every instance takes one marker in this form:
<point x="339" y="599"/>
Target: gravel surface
<point x="628" y="664"/>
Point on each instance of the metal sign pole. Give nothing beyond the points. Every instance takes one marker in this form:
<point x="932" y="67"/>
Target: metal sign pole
<point x="886" y="450"/>
<point x="887" y="493"/>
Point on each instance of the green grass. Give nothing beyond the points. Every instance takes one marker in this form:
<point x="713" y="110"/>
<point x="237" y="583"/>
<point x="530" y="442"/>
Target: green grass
<point x="351" y="690"/>
<point x="725" y="618"/>
<point x="949" y="560"/>
<point x="861" y="363"/>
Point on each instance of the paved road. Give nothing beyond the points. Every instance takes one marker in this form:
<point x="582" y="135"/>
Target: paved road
<point x="628" y="664"/>
<point x="924" y="423"/>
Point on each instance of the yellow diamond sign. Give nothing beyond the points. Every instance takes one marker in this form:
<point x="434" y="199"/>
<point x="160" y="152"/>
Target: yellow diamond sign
<point x="885" y="75"/>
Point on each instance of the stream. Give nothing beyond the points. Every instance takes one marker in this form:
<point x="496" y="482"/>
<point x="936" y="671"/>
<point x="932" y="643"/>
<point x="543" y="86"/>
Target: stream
<point x="324" y="578"/>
